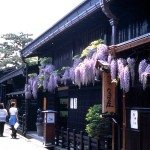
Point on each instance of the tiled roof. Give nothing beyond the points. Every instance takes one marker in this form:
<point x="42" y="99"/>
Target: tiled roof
<point x="11" y="75"/>
<point x="75" y="16"/>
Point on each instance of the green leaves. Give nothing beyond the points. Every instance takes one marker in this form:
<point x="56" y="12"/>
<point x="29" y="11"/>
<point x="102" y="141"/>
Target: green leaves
<point x="10" y="49"/>
<point x="96" y="124"/>
<point x="45" y="61"/>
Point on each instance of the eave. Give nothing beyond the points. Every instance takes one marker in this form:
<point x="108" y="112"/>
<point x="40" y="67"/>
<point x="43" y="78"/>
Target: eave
<point x="12" y="75"/>
<point x="75" y="16"/>
<point x="135" y="42"/>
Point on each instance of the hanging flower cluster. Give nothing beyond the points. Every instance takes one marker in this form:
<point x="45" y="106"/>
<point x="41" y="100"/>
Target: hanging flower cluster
<point x="66" y="75"/>
<point x="47" y="79"/>
<point x="69" y="72"/>
<point x="52" y="82"/>
<point x="28" y="93"/>
<point x="131" y="64"/>
<point x="121" y="69"/>
<point x="45" y="72"/>
<point x="31" y="87"/>
<point x="124" y="70"/>
<point x="84" y="72"/>
<point x="144" y="71"/>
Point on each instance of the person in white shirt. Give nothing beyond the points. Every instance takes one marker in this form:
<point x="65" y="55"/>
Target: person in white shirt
<point x="3" y="114"/>
<point x="13" y="111"/>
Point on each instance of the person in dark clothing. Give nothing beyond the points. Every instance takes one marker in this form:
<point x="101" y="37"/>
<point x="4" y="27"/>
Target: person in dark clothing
<point x="3" y="114"/>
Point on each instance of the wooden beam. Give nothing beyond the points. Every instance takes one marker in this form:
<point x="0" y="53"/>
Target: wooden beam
<point x="63" y="88"/>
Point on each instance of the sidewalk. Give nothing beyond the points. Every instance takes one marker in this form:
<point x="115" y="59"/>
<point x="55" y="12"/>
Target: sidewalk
<point x="32" y="142"/>
<point x="34" y="136"/>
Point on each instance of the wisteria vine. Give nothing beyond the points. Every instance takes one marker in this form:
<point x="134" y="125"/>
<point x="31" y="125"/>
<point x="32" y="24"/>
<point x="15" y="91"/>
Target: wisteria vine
<point x="84" y="72"/>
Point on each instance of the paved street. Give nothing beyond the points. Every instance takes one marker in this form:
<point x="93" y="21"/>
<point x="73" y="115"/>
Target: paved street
<point x="7" y="143"/>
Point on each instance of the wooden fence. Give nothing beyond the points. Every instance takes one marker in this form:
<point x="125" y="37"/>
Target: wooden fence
<point x="73" y="141"/>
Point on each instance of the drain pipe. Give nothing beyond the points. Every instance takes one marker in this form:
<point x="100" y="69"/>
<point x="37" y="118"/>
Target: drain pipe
<point x="26" y="101"/>
<point x="104" y="4"/>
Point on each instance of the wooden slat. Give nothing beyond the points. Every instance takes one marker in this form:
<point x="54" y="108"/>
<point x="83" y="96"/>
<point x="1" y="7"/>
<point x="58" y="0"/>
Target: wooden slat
<point x="85" y="137"/>
<point x="63" y="88"/>
<point x="93" y="140"/>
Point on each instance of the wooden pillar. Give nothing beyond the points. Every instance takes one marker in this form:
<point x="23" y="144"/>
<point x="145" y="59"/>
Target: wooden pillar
<point x="26" y="101"/>
<point x="109" y="100"/>
<point x="113" y="136"/>
<point x="124" y="123"/>
<point x="45" y="103"/>
<point x="113" y="23"/>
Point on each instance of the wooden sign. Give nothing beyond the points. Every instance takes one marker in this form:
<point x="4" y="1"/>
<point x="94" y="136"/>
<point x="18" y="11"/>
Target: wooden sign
<point x="108" y="94"/>
<point x="49" y="118"/>
<point x="134" y="119"/>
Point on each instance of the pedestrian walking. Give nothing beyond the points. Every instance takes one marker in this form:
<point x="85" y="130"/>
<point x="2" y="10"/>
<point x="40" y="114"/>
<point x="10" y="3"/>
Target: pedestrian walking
<point x="3" y="114"/>
<point x="13" y="111"/>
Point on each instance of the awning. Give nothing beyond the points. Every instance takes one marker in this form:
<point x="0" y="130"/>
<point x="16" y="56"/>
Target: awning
<point x="141" y="40"/>
<point x="11" y="75"/>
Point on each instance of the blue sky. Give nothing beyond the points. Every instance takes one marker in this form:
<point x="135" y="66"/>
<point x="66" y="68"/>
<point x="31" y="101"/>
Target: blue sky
<point x="32" y="16"/>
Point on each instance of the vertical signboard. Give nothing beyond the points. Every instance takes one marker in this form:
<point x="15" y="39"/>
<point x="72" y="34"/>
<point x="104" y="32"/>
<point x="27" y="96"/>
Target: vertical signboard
<point x="134" y="119"/>
<point x="108" y="94"/>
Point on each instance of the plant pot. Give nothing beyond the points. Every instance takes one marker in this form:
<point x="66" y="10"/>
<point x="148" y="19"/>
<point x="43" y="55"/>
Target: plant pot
<point x="39" y="127"/>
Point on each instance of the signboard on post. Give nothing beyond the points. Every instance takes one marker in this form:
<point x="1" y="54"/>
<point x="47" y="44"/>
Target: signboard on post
<point x="108" y="94"/>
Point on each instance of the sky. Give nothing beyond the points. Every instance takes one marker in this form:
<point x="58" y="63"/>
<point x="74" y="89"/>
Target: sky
<point x="32" y="16"/>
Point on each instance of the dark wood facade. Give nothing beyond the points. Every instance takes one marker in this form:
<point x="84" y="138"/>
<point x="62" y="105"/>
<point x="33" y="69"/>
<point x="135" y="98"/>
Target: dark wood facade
<point x="125" y="24"/>
<point x="135" y="99"/>
<point x="115" y="22"/>
<point x="12" y="89"/>
<point x="80" y="28"/>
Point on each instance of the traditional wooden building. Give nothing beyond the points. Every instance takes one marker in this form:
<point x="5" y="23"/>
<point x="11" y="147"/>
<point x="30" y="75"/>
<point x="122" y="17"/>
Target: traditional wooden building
<point x="12" y="89"/>
<point x="132" y="40"/>
<point x="125" y="23"/>
<point x="133" y="107"/>
<point x="67" y="38"/>
<point x="126" y="26"/>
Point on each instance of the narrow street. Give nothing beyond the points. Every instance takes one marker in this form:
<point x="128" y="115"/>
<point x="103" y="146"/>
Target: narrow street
<point x="21" y="142"/>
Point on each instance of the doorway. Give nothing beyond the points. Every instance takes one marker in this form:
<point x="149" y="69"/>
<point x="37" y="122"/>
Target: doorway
<point x="63" y="111"/>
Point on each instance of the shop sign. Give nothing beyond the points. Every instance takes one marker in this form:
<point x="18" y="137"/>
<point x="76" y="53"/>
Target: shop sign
<point x="108" y="94"/>
<point x="49" y="118"/>
<point x="134" y="119"/>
